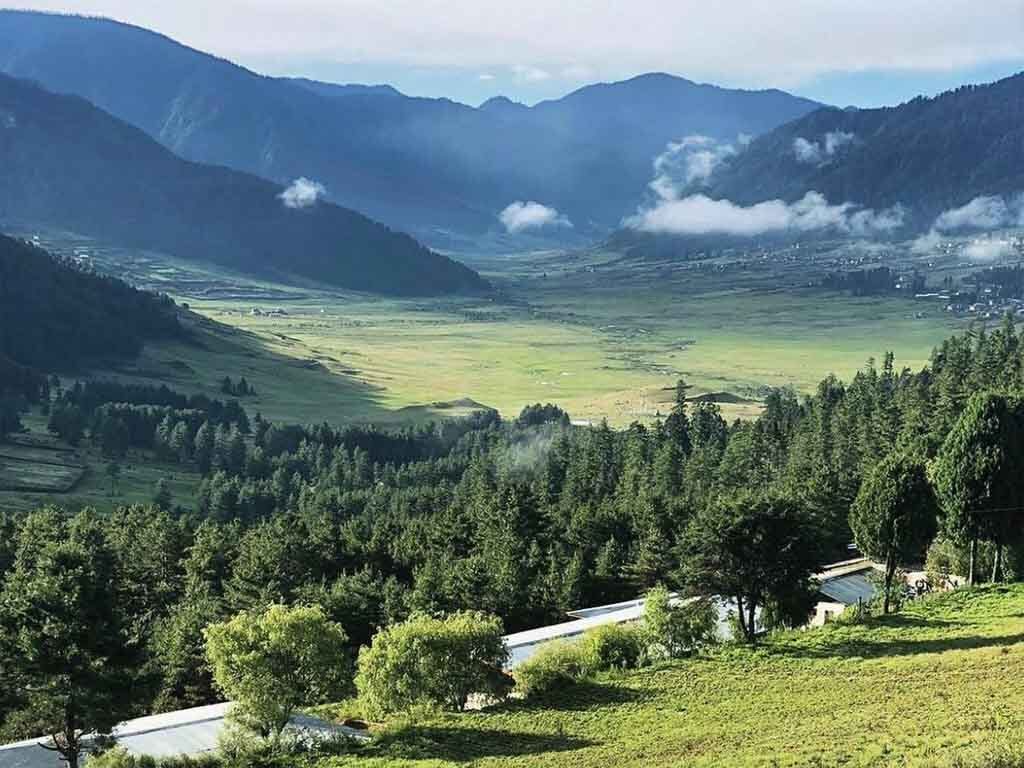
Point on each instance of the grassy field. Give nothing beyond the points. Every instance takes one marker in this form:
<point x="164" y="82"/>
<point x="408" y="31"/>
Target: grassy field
<point x="601" y="335"/>
<point x="602" y="346"/>
<point x="940" y="683"/>
<point x="31" y="477"/>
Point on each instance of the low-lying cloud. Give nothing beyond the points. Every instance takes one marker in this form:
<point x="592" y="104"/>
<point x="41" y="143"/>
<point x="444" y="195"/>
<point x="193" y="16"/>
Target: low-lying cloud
<point x="989" y="250"/>
<point x="818" y="152"/>
<point x="701" y="215"/>
<point x="689" y="161"/>
<point x="986" y="212"/>
<point x="302" y="193"/>
<point x="523" y="216"/>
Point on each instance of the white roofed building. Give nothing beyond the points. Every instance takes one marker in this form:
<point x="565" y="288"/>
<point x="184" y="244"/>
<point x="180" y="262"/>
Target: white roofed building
<point x="187" y="732"/>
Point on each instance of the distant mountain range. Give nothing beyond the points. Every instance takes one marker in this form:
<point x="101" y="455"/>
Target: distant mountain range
<point x="69" y="165"/>
<point x="431" y="166"/>
<point x="928" y="155"/>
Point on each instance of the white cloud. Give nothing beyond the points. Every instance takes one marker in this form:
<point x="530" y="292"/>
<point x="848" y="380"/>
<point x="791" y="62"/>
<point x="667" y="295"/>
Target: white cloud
<point x="808" y="152"/>
<point x="577" y="72"/>
<point x="783" y="43"/>
<point x="989" y="250"/>
<point x="522" y="216"/>
<point x="836" y="140"/>
<point x="687" y="161"/>
<point x="816" y="153"/>
<point x="485" y="76"/>
<point x="700" y="215"/>
<point x="302" y="193"/>
<point x="926" y="243"/>
<point x="529" y="74"/>
<point x="990" y="212"/>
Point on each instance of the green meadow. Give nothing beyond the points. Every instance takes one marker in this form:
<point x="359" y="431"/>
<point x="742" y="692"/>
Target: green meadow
<point x="939" y="685"/>
<point x="604" y="335"/>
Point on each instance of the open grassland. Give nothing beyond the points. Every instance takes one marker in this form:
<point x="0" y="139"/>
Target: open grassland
<point x="941" y="684"/>
<point x="607" y="354"/>
<point x="601" y="335"/>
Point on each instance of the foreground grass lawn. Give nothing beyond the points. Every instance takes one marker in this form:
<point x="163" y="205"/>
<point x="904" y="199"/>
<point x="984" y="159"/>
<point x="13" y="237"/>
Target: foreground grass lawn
<point x="939" y="685"/>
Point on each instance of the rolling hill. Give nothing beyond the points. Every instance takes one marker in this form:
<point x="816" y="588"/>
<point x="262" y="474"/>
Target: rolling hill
<point x="928" y="155"/>
<point x="55" y="315"/>
<point x="431" y="166"/>
<point x="71" y="166"/>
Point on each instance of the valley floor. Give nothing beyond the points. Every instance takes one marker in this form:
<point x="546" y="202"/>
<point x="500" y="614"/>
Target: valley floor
<point x="601" y="335"/>
<point x="941" y="684"/>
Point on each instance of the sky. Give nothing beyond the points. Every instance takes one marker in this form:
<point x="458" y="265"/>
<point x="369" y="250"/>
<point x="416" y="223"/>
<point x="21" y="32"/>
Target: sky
<point x="843" y="52"/>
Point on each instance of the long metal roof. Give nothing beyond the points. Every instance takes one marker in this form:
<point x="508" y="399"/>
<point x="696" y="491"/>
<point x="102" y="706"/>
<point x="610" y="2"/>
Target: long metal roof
<point x="522" y="645"/>
<point x="189" y="732"/>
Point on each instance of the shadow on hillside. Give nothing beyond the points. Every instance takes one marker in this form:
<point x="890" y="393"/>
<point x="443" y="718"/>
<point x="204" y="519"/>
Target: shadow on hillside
<point x="459" y="745"/>
<point x="894" y="636"/>
<point x="585" y="695"/>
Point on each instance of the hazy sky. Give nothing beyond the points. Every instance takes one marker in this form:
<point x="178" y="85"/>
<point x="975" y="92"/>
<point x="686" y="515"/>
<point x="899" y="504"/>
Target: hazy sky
<point x="863" y="52"/>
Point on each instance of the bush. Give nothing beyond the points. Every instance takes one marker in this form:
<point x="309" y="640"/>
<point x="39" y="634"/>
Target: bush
<point x="677" y="630"/>
<point x="435" y="661"/>
<point x="555" y="664"/>
<point x="613" y="646"/>
<point x="119" y="757"/>
<point x="272" y="663"/>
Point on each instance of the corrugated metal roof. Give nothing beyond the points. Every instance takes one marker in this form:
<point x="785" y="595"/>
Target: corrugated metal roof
<point x="849" y="589"/>
<point x="185" y="732"/>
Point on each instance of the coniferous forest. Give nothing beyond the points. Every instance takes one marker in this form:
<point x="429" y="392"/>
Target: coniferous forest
<point x="523" y="519"/>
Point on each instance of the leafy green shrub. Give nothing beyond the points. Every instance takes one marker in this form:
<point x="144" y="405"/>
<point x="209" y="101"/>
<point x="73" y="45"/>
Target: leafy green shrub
<point x="555" y="664"/>
<point x="613" y="646"/>
<point x="272" y="663"/>
<point x="439" y="661"/>
<point x="675" y="630"/>
<point x="858" y="613"/>
<point x="119" y="757"/>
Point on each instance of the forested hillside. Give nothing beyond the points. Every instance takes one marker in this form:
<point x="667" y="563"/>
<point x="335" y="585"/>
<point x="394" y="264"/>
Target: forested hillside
<point x="928" y="155"/>
<point x="68" y="165"/>
<point x="427" y="165"/>
<point x="55" y="314"/>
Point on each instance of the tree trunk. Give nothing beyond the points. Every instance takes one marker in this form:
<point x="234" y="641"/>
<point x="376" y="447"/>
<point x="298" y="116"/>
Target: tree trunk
<point x="997" y="567"/>
<point x="890" y="572"/>
<point x="742" y="616"/>
<point x="973" y="561"/>
<point x="752" y="621"/>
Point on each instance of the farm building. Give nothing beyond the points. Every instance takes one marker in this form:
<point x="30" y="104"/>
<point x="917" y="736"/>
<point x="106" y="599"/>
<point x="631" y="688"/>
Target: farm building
<point x="522" y="645"/>
<point x="187" y="732"/>
<point x="844" y="584"/>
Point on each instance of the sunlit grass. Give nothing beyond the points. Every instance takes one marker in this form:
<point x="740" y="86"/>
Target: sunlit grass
<point x="942" y="682"/>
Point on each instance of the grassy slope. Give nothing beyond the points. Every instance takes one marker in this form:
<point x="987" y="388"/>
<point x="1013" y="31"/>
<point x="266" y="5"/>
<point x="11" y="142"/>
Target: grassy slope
<point x="943" y="681"/>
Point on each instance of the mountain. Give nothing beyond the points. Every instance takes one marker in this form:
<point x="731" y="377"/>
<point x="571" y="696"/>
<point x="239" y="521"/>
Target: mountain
<point x="928" y="155"/>
<point x="69" y="165"/>
<point x="431" y="166"/>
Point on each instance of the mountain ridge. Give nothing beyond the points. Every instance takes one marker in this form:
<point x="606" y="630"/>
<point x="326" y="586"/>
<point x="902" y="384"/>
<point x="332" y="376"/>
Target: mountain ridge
<point x="425" y="165"/>
<point x="69" y="164"/>
<point x="929" y="154"/>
